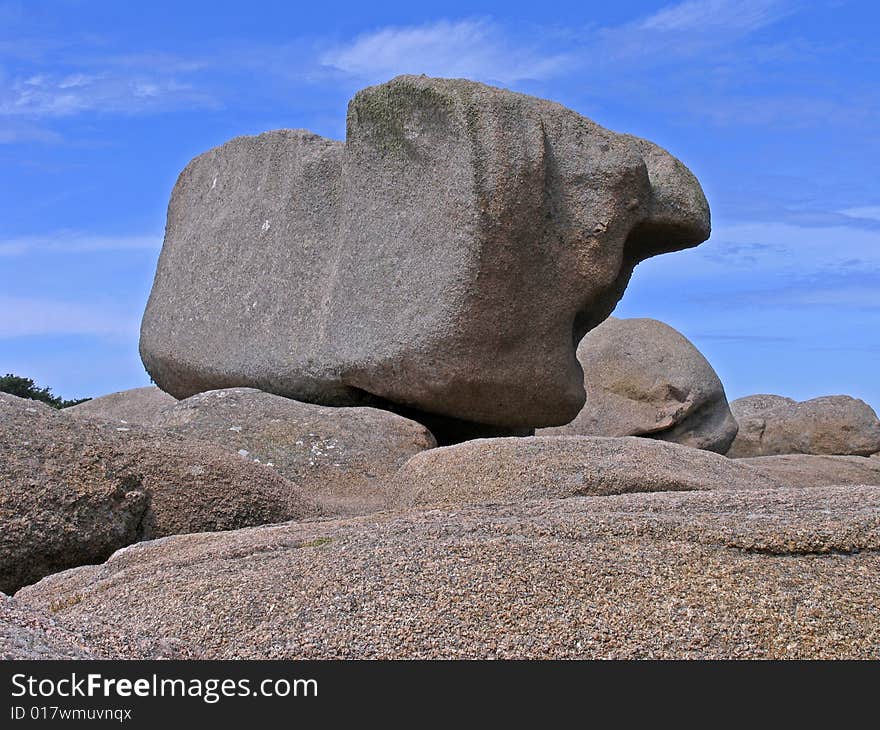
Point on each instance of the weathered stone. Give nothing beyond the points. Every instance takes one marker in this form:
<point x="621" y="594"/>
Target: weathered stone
<point x="780" y="573"/>
<point x="63" y="502"/>
<point x="643" y="378"/>
<point x="835" y="424"/>
<point x="338" y="457"/>
<point x="445" y="259"/>
<point x="138" y="405"/>
<point x="806" y="470"/>
<point x="516" y="469"/>
<point x="27" y="633"/>
<point x="74" y="490"/>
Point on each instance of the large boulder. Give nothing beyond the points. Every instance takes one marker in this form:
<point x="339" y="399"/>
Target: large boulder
<point x="72" y="491"/>
<point x="338" y="457"/>
<point x="834" y="424"/>
<point x="137" y="405"/>
<point x="806" y="470"/>
<point x="516" y="469"/>
<point x="643" y="378"/>
<point x="780" y="573"/>
<point x="444" y="259"/>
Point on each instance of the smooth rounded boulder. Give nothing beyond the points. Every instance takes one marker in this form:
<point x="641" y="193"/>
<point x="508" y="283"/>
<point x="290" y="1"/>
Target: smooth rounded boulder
<point x="339" y="457"/>
<point x="137" y="405"/>
<point x="444" y="259"/>
<point x="644" y="378"/>
<point x="517" y="469"/>
<point x="72" y="491"/>
<point x="830" y="425"/>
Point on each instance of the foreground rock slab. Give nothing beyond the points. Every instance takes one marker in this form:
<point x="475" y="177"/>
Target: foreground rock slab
<point x="783" y="573"/>
<point x="137" y="405"/>
<point x="339" y="457"/>
<point x="835" y="424"/>
<point x="643" y="378"/>
<point x="445" y="258"/>
<point x="33" y="634"/>
<point x="517" y="469"/>
<point x="72" y="491"/>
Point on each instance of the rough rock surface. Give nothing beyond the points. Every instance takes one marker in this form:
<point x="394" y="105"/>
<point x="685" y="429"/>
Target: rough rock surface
<point x="338" y="457"/>
<point x="805" y="470"/>
<point x="31" y="634"/>
<point x="445" y="258"/>
<point x="516" y="469"/>
<point x="26" y="633"/>
<point x="72" y="491"/>
<point x="138" y="405"/>
<point x="834" y="424"/>
<point x="782" y="573"/>
<point x="644" y="378"/>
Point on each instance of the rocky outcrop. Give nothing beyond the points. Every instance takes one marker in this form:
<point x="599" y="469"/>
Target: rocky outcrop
<point x="833" y="425"/>
<point x="643" y="378"/>
<point x="73" y="491"/>
<point x="781" y="573"/>
<point x="517" y="469"/>
<point x="338" y="457"/>
<point x="444" y="259"/>
<point x="138" y="405"/>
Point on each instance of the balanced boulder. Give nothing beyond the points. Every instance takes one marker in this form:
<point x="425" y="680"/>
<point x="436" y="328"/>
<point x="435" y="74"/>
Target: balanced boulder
<point x="835" y="424"/>
<point x="138" y="405"/>
<point x="338" y="457"/>
<point x="74" y="490"/>
<point x="643" y="378"/>
<point x="517" y="469"/>
<point x="444" y="259"/>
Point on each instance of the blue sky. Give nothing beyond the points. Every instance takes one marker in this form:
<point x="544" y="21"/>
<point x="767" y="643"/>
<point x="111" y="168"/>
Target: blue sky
<point x="775" y="105"/>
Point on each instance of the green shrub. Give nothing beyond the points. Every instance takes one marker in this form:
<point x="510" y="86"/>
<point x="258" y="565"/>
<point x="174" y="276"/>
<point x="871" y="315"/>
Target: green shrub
<point x="27" y="388"/>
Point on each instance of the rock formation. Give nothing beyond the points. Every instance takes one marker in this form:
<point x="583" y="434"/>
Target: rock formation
<point x="445" y="259"/>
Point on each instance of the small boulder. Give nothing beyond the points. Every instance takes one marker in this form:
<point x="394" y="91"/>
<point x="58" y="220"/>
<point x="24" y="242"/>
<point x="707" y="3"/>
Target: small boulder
<point x="338" y="457"/>
<point x="643" y="378"/>
<point x="832" y="425"/>
<point x="517" y="469"/>
<point x="74" y="490"/>
<point x="64" y="500"/>
<point x="138" y="405"/>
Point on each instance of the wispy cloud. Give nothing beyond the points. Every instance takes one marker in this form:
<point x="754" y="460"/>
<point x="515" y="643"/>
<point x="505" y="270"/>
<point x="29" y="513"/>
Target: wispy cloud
<point x="72" y="242"/>
<point x="473" y="48"/>
<point x="29" y="316"/>
<point x="710" y="15"/>
<point x="53" y="95"/>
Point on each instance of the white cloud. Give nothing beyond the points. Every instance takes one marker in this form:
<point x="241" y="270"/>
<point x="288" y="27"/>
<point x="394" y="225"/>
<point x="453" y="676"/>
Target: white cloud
<point x="466" y="48"/>
<point x="870" y="212"/>
<point x="71" y="242"/>
<point x="28" y="316"/>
